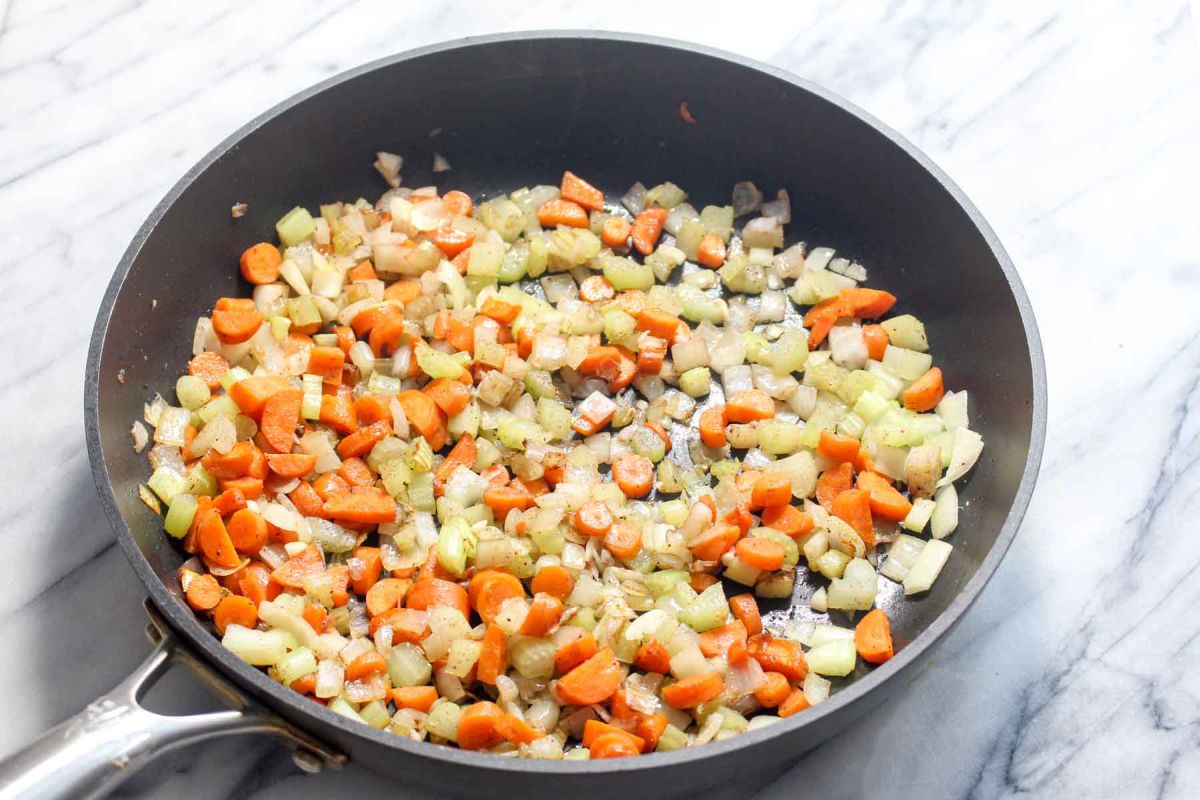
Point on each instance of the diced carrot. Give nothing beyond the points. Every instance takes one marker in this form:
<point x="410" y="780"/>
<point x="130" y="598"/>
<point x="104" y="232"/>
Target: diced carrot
<point x="693" y="691"/>
<point x="368" y="318"/>
<point x="699" y="581"/>
<point x="647" y="227"/>
<point x="428" y="593"/>
<point x="715" y="542"/>
<point x="247" y="530"/>
<point x="203" y="593"/>
<point x="516" y="730"/>
<point x="877" y="341"/>
<point x="925" y="392"/>
<point x="660" y="324"/>
<point x="235" y="319"/>
<point x="424" y="415"/>
<point x="867" y="303"/>
<point x="234" y="610"/>
<point x="653" y="656"/>
<point x="553" y="580"/>
<point x="477" y="726"/>
<point x="562" y="212"/>
<point x="633" y="301"/>
<point x="407" y="624"/>
<point x="651" y="729"/>
<point x="615" y="232"/>
<point x="544" y="613"/>
<point x="613" y="745"/>
<point x="593" y="518"/>
<point x="214" y="540"/>
<point x="712" y="426"/>
<point x="251" y="394"/>
<point x="796" y="702"/>
<point x="260" y="263"/>
<point x="355" y="472"/>
<point x="596" y="289"/>
<point x="337" y="411"/>
<point x="452" y="241"/>
<point x="228" y="502"/>
<point x="370" y="568"/>
<point x="652" y="352"/>
<point x="280" y="416"/>
<point x="624" y="540"/>
<point x="787" y="519"/>
<point x="387" y="334"/>
<point x="328" y="484"/>
<point x="500" y="310"/>
<point x="457" y="203"/>
<point x="209" y="367"/>
<point x="776" y="654"/>
<point x="461" y="455"/>
<point x="366" y="664"/>
<point x="745" y="609"/>
<point x="386" y="594"/>
<point x="601" y="360"/>
<point x="250" y="487"/>
<point x="885" y="500"/>
<point x="363" y="439"/>
<point x="711" y="251"/>
<point x="362" y="271"/>
<point x="771" y="489"/>
<point x="362" y="504"/>
<point x="837" y="447"/>
<point x="308" y="563"/>
<point x="403" y="291"/>
<point x="774" y="691"/>
<point x="833" y="481"/>
<point x="593" y="681"/>
<point x="493" y="656"/>
<point x="573" y="653"/>
<point x="854" y="507"/>
<point x="489" y="589"/>
<point x="593" y="729"/>
<point x="717" y="641"/>
<point x="760" y="553"/>
<point x="327" y="362"/>
<point x="503" y="499"/>
<point x="450" y="396"/>
<point x="592" y="414"/>
<point x="873" y="637"/>
<point x="291" y="465"/>
<point x="820" y="319"/>
<point x="749" y="405"/>
<point x="634" y="474"/>
<point x="418" y="698"/>
<point x="232" y="464"/>
<point x="577" y="190"/>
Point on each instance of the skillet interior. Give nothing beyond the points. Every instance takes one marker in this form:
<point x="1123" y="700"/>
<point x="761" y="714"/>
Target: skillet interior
<point x="516" y="110"/>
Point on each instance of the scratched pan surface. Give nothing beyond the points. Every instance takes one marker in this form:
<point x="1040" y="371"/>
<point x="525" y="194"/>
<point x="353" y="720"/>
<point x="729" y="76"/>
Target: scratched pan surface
<point x="515" y="110"/>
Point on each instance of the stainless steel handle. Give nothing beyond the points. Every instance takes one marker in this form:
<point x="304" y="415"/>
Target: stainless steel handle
<point x="89" y="754"/>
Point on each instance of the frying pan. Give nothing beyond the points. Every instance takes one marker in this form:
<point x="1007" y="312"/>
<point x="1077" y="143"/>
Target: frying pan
<point x="510" y="111"/>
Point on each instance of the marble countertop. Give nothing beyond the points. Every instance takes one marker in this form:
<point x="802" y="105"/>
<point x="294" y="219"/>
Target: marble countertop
<point x="1073" y="126"/>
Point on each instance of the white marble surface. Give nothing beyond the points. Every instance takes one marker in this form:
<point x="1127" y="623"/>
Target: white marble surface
<point x="1073" y="126"/>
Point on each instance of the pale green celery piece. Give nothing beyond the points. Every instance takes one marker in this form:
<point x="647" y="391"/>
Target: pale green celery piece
<point x="200" y="482"/>
<point x="758" y="349"/>
<point x="871" y="405"/>
<point x="690" y="234"/>
<point x="539" y="255"/>
<point x="219" y="406"/>
<point x="485" y="259"/>
<point x="383" y="385"/>
<point x="296" y="665"/>
<point x="664" y="298"/>
<point x="386" y="449"/>
<point x="540" y="384"/>
<point x="515" y="431"/>
<point x="810" y="434"/>
<point x="554" y="418"/>
<point x="707" y="611"/>
<point x="584" y="618"/>
<point x="419" y="455"/>
<point x="696" y="382"/>
<point x="907" y="331"/>
<point x="779" y="438"/>
<point x="899" y="435"/>
<point x="906" y="364"/>
<point x="192" y="392"/>
<point x="853" y="384"/>
<point x="572" y="247"/>
<point x="443" y="720"/>
<point x="303" y="311"/>
<point x="665" y="195"/>
<point x="180" y="514"/>
<point x="549" y="540"/>
<point x="671" y="739"/>
<point x="465" y="421"/>
<point x="503" y="216"/>
<point x="825" y="376"/>
<point x="232" y="376"/>
<point x="739" y="571"/>
<point x="396" y="476"/>
<point x="451" y="546"/>
<point x="851" y="425"/>
<point x="791" y="550"/>
<point x="420" y="492"/>
<point x="647" y="443"/>
<point x="624" y="273"/>
<point x="825" y="285"/>
<point x="718" y="220"/>
<point x="375" y="714"/>
<point x="789" y="353"/>
<point x="167" y="484"/>
<point x="832" y="564"/>
<point x="836" y="658"/>
<point x="294" y="227"/>
<point x="725" y="468"/>
<point x="344" y="242"/>
<point x="918" y="515"/>
<point x="696" y="306"/>
<point x="280" y="326"/>
<point x="332" y="215"/>
<point x="664" y="580"/>
<point x="437" y="364"/>
<point x="617" y="325"/>
<point x="515" y="262"/>
<point x="945" y="443"/>
<point x="310" y="405"/>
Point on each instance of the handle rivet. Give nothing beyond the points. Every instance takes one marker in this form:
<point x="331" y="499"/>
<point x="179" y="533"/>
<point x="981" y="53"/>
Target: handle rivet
<point x="307" y="761"/>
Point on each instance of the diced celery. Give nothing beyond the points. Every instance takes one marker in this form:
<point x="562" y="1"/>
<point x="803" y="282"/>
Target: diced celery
<point x="515" y="262"/>
<point x="219" y="406"/>
<point x="296" y="665"/>
<point x="295" y="226"/>
<point x="279" y="327"/>
<point x="437" y="364"/>
<point x="451" y="546"/>
<point x="554" y="418"/>
<point x="180" y="514"/>
<point x="665" y="195"/>
<point x="515" y="431"/>
<point x="625" y="273"/>
<point x="739" y="571"/>
<point x="649" y="444"/>
<point x="927" y="566"/>
<point x="259" y="648"/>
<point x="375" y="714"/>
<point x="671" y="739"/>
<point x="462" y="656"/>
<point x="688" y="239"/>
<point x="908" y="332"/>
<point x="200" y="482"/>
<point x="789" y="352"/>
<point x="310" y="405"/>
<point x="718" y="220"/>
<point x="167" y="484"/>
<point x="674" y="512"/>
<point x="696" y="382"/>
<point x="420" y="492"/>
<point x="696" y="306"/>
<point x="485" y="259"/>
<point x="833" y="658"/>
<point x="918" y="515"/>
<point x="383" y="385"/>
<point x="853" y="384"/>
<point x="851" y="425"/>
<point x="407" y="666"/>
<point x="465" y="421"/>
<point x="503" y="216"/>
<point x="758" y="349"/>
<point x="232" y="376"/>
<point x="707" y="611"/>
<point x="572" y="247"/>
<point x="871" y="405"/>
<point x="832" y="563"/>
<point x="725" y="468"/>
<point x="779" y="438"/>
<point x="944" y="519"/>
<point x="443" y="720"/>
<point x="906" y="364"/>
<point x="539" y="256"/>
<point x="192" y="392"/>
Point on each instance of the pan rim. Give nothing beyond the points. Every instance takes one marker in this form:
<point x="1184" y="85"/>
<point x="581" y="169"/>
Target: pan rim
<point x="249" y="677"/>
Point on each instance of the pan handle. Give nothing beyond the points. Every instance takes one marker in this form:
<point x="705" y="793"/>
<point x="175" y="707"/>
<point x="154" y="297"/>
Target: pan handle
<point x="90" y="753"/>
